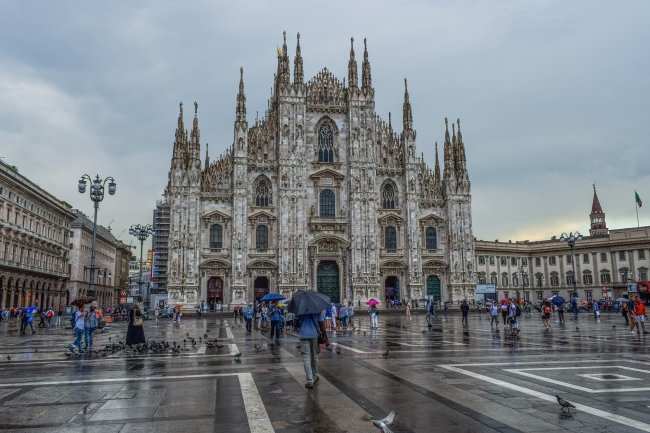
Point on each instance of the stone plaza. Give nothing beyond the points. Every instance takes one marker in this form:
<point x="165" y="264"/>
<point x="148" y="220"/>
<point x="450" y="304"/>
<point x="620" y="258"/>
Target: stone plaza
<point x="447" y="378"/>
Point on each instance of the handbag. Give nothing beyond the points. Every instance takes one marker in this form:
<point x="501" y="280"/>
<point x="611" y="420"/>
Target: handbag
<point x="137" y="320"/>
<point x="322" y="339"/>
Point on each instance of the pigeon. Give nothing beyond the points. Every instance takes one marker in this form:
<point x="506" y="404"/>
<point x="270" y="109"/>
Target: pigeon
<point x="237" y="356"/>
<point x="109" y="339"/>
<point x="565" y="404"/>
<point x="35" y="350"/>
<point x="8" y="357"/>
<point x="205" y="335"/>
<point x="257" y="347"/>
<point x="382" y="424"/>
<point x="338" y="350"/>
<point x="613" y="326"/>
<point x="577" y="329"/>
<point x="385" y="354"/>
<point x="219" y="346"/>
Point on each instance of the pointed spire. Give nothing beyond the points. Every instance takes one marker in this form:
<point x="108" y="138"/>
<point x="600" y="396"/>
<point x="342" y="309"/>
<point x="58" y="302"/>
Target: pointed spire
<point x="298" y="75"/>
<point x="207" y="157"/>
<point x="437" y="166"/>
<point x="179" y="136"/>
<point x="461" y="146"/>
<point x="595" y="205"/>
<point x="284" y="71"/>
<point x="597" y="217"/>
<point x="407" y="115"/>
<point x="390" y="122"/>
<point x="366" y="78"/>
<point x="449" y="153"/>
<point x="196" y="134"/>
<point x="240" y="113"/>
<point x="352" y="67"/>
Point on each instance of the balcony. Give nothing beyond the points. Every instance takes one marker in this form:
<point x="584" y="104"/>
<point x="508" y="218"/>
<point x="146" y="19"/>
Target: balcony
<point x="335" y="224"/>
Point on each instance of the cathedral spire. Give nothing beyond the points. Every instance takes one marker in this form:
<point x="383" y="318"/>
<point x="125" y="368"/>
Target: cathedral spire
<point x="284" y="71"/>
<point x="179" y="137"/>
<point x="240" y="113"/>
<point x="298" y="75"/>
<point x="366" y="78"/>
<point x="597" y="217"/>
<point x="449" y="153"/>
<point x="437" y="167"/>
<point x="207" y="157"/>
<point x="195" y="136"/>
<point x="407" y="114"/>
<point x="437" y="182"/>
<point x="352" y="68"/>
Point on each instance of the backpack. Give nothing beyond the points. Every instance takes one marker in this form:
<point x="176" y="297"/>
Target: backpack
<point x="49" y="314"/>
<point x="517" y="311"/>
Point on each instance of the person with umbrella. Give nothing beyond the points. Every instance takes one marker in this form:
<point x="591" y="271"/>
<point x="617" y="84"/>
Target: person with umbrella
<point x="27" y="320"/>
<point x="559" y="302"/>
<point x="372" y="311"/>
<point x="308" y="306"/>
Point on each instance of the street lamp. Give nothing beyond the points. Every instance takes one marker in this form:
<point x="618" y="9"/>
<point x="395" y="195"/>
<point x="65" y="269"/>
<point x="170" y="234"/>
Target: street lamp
<point x="571" y="239"/>
<point x="524" y="277"/>
<point x="96" y="195"/>
<point x="142" y="233"/>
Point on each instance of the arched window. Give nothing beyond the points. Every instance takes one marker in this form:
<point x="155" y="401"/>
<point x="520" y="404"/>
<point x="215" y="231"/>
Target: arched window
<point x="216" y="236"/>
<point x="390" y="238"/>
<point x="327" y="204"/>
<point x="262" y="238"/>
<point x="432" y="239"/>
<point x="325" y="144"/>
<point x="262" y="190"/>
<point x="389" y="196"/>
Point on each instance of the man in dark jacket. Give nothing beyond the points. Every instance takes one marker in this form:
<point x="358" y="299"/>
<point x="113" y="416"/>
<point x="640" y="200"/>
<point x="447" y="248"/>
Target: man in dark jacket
<point x="464" y="309"/>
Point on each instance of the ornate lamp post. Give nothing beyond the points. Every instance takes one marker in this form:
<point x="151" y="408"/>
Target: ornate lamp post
<point x="571" y="239"/>
<point x="142" y="233"/>
<point x="96" y="195"/>
<point x="524" y="278"/>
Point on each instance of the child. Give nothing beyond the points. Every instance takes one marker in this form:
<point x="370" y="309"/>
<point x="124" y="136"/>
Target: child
<point x="514" y="326"/>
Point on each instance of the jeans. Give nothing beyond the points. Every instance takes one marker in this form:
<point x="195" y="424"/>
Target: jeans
<point x="89" y="332"/>
<point x="373" y="321"/>
<point x="24" y="324"/>
<point x="309" y="349"/>
<point x="275" y="329"/>
<point x="79" y="333"/>
<point x="249" y="323"/>
<point x="560" y="314"/>
<point x="494" y="319"/>
<point x="464" y="319"/>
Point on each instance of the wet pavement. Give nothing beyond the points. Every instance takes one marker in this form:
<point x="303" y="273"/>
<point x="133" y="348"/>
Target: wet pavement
<point x="447" y="378"/>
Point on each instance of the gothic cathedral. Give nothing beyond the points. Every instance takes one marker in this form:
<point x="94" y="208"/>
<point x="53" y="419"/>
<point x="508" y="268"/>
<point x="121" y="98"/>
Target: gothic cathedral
<point x="320" y="193"/>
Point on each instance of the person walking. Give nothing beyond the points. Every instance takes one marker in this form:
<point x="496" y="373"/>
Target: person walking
<point x="248" y="316"/>
<point x="504" y="313"/>
<point x="48" y="317"/>
<point x="79" y="328"/>
<point x="560" y="312"/>
<point x="596" y="310"/>
<point x="464" y="310"/>
<point x="512" y="311"/>
<point x="574" y="307"/>
<point x="639" y="311"/>
<point x="372" y="311"/>
<point x="631" y="314"/>
<point x="408" y="312"/>
<point x="334" y="312"/>
<point x="135" y="330"/>
<point x="27" y="320"/>
<point x="546" y="314"/>
<point x="494" y="315"/>
<point x="343" y="315"/>
<point x="624" y="313"/>
<point x="430" y="312"/>
<point x="311" y="325"/>
<point x="274" y="315"/>
<point x="351" y="314"/>
<point x="58" y="318"/>
<point x="90" y="325"/>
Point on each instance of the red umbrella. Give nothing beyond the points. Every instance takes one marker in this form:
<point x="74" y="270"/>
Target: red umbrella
<point x="504" y="301"/>
<point x="372" y="302"/>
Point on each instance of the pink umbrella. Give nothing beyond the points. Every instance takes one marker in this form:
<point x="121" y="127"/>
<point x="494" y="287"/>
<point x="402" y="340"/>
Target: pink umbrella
<point x="372" y="302"/>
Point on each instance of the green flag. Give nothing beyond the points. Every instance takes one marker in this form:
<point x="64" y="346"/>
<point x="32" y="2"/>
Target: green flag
<point x="638" y="199"/>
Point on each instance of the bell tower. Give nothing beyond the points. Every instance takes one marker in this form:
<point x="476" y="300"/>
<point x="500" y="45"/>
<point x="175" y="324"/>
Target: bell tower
<point x="597" y="217"/>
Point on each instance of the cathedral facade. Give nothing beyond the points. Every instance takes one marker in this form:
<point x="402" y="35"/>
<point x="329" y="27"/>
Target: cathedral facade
<point x="320" y="193"/>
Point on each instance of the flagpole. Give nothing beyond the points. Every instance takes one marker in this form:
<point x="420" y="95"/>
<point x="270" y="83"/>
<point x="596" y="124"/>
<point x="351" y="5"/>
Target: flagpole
<point x="636" y="205"/>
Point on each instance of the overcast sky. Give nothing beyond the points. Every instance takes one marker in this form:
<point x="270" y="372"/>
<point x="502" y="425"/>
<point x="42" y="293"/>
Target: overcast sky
<point x="553" y="96"/>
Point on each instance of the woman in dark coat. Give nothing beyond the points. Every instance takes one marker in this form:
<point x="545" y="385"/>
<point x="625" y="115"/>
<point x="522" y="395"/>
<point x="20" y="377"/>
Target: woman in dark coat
<point x="135" y="332"/>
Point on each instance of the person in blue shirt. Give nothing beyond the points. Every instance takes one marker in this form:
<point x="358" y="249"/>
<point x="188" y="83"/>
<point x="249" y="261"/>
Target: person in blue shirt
<point x="310" y="326"/>
<point x="248" y="315"/>
<point x="274" y="315"/>
<point x="79" y="327"/>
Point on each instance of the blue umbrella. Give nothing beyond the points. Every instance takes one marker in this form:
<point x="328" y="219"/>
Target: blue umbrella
<point x="272" y="297"/>
<point x="558" y="300"/>
<point x="30" y="309"/>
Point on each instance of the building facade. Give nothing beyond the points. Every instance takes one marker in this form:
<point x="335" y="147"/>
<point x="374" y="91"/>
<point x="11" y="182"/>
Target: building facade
<point x="160" y="245"/>
<point x="34" y="229"/>
<point x="605" y="264"/>
<point x="319" y="193"/>
<point x="108" y="261"/>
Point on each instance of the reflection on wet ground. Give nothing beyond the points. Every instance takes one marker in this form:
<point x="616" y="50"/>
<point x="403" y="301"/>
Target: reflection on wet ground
<point x="447" y="378"/>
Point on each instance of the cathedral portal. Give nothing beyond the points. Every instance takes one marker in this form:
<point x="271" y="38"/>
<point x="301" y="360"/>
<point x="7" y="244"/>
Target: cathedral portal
<point x="328" y="281"/>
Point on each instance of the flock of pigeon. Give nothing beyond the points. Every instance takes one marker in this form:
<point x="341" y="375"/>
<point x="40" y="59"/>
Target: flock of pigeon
<point x="150" y="347"/>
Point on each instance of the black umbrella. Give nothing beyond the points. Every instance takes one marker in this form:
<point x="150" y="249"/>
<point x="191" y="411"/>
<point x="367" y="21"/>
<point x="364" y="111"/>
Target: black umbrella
<point x="308" y="302"/>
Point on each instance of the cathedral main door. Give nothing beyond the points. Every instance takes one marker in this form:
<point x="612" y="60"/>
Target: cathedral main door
<point x="261" y="288"/>
<point x="327" y="280"/>
<point x="215" y="291"/>
<point x="433" y="288"/>
<point x="392" y="288"/>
